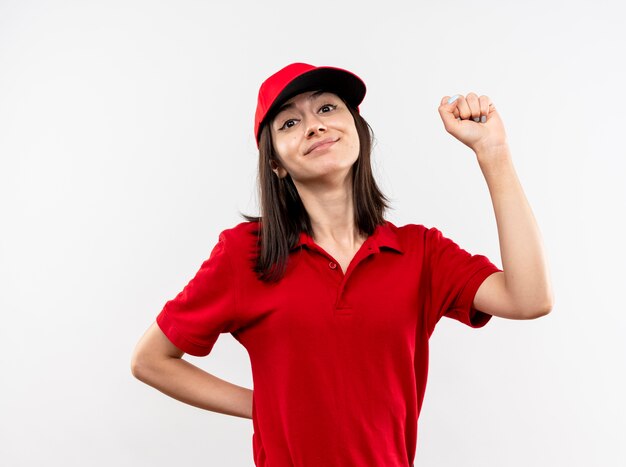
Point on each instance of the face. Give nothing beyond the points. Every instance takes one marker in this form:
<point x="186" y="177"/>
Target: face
<point x="304" y="122"/>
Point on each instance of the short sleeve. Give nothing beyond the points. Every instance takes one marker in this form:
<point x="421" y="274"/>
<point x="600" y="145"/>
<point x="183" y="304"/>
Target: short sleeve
<point x="454" y="276"/>
<point x="205" y="307"/>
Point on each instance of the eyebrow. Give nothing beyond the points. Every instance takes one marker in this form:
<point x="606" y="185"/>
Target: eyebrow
<point x="290" y="105"/>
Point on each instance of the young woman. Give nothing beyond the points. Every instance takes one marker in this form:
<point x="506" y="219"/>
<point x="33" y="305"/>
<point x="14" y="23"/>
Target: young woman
<point x="334" y="304"/>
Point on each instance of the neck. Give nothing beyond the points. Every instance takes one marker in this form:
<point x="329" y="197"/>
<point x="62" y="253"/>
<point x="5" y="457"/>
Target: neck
<point x="331" y="212"/>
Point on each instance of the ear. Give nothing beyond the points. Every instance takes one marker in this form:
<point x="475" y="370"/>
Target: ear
<point x="277" y="169"/>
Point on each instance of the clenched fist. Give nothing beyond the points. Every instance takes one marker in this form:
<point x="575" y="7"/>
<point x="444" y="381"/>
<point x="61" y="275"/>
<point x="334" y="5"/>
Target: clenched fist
<point x="474" y="121"/>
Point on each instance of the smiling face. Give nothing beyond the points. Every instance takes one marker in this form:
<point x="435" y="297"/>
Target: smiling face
<point x="314" y="137"/>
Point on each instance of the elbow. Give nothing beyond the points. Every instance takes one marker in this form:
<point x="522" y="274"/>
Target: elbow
<point x="547" y="307"/>
<point x="139" y="367"/>
<point x="135" y="367"/>
<point x="150" y="354"/>
<point x="538" y="312"/>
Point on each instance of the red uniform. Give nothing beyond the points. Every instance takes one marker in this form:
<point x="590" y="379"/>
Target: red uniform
<point x="339" y="358"/>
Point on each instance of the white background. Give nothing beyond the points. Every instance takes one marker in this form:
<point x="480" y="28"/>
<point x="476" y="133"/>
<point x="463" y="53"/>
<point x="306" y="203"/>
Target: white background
<point x="126" y="146"/>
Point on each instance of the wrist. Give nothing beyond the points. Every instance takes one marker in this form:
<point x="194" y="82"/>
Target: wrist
<point x="493" y="154"/>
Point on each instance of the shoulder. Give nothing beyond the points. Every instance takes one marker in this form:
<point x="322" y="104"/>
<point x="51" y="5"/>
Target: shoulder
<point x="418" y="238"/>
<point x="241" y="240"/>
<point x="243" y="231"/>
<point x="410" y="232"/>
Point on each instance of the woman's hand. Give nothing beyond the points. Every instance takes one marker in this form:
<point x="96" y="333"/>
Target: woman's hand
<point x="474" y="121"/>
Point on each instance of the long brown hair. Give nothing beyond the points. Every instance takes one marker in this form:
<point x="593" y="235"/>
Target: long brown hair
<point x="283" y="215"/>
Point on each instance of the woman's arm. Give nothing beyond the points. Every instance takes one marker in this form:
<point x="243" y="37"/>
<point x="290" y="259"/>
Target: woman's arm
<point x="158" y="363"/>
<point x="523" y="290"/>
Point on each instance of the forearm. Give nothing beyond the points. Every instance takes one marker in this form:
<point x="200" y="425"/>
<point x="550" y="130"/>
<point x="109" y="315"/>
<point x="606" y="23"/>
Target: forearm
<point x="523" y="258"/>
<point x="189" y="384"/>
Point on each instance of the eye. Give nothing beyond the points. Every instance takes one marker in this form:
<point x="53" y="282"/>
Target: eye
<point x="286" y="124"/>
<point x="329" y="106"/>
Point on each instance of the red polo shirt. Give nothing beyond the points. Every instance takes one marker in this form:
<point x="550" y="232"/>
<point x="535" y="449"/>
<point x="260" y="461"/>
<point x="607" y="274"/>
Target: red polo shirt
<point x="339" y="358"/>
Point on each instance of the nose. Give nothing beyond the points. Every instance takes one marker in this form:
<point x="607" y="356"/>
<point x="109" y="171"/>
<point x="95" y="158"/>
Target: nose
<point x="314" y="125"/>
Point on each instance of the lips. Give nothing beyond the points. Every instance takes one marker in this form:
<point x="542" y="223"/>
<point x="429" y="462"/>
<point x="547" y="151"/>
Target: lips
<point x="319" y="143"/>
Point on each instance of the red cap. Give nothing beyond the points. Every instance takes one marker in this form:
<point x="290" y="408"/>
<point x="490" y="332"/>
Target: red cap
<point x="300" y="77"/>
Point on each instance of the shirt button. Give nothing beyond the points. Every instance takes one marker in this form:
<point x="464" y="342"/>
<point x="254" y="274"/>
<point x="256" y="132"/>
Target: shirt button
<point x="332" y="265"/>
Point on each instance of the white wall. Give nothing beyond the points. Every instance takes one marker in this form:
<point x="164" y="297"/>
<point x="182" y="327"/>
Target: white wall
<point x="126" y="146"/>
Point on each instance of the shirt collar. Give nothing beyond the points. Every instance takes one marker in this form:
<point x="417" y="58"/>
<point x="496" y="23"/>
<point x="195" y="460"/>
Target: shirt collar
<point x="383" y="236"/>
